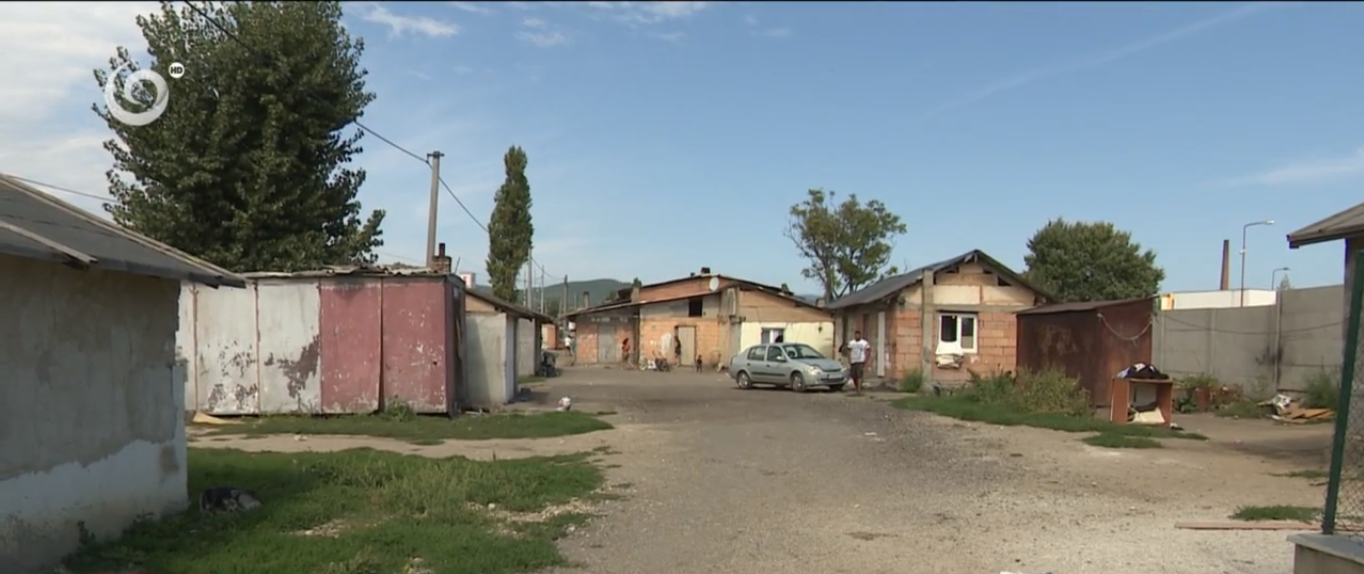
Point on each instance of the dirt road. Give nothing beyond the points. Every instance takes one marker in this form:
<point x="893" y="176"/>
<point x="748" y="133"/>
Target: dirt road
<point x="720" y="480"/>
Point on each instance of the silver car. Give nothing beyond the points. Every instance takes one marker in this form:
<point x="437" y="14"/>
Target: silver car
<point x="794" y="365"/>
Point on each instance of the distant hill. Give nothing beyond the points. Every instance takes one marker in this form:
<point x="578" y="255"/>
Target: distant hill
<point x="597" y="288"/>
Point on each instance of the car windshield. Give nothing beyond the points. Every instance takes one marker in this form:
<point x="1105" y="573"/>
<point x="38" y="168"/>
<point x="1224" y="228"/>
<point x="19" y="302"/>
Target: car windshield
<point x="802" y="352"/>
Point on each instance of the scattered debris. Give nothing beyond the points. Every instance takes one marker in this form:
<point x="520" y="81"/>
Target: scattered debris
<point x="565" y="405"/>
<point x="1290" y="410"/>
<point x="227" y="499"/>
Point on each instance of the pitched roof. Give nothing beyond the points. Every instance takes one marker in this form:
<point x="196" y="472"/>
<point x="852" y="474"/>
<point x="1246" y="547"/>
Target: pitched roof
<point x="1337" y="226"/>
<point x="1083" y="306"/>
<point x="897" y="283"/>
<point x="36" y="225"/>
<point x="508" y="307"/>
<point x="740" y="283"/>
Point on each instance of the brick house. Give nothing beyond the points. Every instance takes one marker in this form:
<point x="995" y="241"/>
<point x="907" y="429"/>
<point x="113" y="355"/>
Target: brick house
<point x="971" y="300"/>
<point x="713" y="316"/>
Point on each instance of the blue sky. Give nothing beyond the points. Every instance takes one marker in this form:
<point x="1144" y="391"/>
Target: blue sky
<point x="667" y="136"/>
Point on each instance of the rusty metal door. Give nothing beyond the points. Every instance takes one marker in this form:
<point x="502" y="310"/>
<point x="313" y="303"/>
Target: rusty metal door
<point x="606" y="344"/>
<point x="687" y="335"/>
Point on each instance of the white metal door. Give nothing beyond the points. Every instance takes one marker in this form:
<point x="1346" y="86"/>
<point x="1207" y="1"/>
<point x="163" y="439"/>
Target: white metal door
<point x="881" y="344"/>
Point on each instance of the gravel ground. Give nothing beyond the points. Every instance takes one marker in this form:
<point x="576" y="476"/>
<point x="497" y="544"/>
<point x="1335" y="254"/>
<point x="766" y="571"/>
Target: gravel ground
<point x="723" y="480"/>
<point x="719" y="480"/>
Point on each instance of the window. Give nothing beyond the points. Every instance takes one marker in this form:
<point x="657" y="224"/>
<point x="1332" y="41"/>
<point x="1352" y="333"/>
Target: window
<point x="958" y="328"/>
<point x="757" y="354"/>
<point x="774" y="354"/>
<point x="696" y="307"/>
<point x="770" y="336"/>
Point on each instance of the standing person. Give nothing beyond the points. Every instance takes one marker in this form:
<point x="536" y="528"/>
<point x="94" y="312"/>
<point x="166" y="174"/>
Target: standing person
<point x="858" y="349"/>
<point x="677" y="350"/>
<point x="625" y="351"/>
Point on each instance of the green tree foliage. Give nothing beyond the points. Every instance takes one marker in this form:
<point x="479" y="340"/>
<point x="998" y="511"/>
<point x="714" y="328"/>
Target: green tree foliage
<point x="248" y="167"/>
<point x="636" y="283"/>
<point x="1080" y="261"/>
<point x="847" y="244"/>
<point x="510" y="232"/>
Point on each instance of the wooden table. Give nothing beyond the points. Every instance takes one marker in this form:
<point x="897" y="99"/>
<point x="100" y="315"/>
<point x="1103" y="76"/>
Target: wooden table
<point x="1120" y="397"/>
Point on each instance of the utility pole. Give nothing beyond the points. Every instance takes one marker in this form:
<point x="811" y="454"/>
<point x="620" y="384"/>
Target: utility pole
<point x="563" y="301"/>
<point x="530" y="281"/>
<point x="435" y="202"/>
<point x="542" y="290"/>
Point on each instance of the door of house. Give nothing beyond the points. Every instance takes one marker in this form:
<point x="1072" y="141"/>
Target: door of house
<point x="686" y="334"/>
<point x="607" y="352"/>
<point x="881" y="344"/>
<point x="770" y="336"/>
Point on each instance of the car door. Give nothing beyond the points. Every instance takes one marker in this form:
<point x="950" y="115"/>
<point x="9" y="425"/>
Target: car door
<point x="776" y="364"/>
<point x="756" y="359"/>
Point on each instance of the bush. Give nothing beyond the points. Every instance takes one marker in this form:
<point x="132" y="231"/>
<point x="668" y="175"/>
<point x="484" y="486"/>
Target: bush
<point x="1322" y="389"/>
<point x="1200" y="381"/>
<point x="1040" y="392"/>
<point x="912" y="381"/>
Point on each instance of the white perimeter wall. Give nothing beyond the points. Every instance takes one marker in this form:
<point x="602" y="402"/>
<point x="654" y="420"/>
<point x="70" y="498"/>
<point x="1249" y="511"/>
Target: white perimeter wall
<point x="818" y="335"/>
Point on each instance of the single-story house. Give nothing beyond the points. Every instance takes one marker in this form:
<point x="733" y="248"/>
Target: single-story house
<point x="714" y="317"/>
<point x="92" y="426"/>
<point x="1347" y="225"/>
<point x="969" y="302"/>
<point x="501" y="344"/>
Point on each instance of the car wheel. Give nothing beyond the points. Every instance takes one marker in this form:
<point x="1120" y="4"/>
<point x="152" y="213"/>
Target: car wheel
<point x="836" y="388"/>
<point x="798" y="382"/>
<point x="743" y="380"/>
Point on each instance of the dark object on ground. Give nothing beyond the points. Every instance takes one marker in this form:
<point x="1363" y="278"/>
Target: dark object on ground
<point x="662" y="365"/>
<point x="1142" y="371"/>
<point x="227" y="499"/>
<point x="548" y="365"/>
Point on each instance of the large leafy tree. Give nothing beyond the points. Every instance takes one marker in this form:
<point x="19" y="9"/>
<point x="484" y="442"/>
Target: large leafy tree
<point x="1082" y="261"/>
<point x="511" y="231"/>
<point x="847" y="244"/>
<point x="249" y="165"/>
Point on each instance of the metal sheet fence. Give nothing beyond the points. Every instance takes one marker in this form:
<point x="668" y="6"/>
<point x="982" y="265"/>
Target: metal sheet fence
<point x="1344" y="513"/>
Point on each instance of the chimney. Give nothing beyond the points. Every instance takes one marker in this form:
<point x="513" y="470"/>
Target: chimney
<point x="1226" y="265"/>
<point x="587" y="299"/>
<point x="634" y="294"/>
<point x="441" y="263"/>
<point x="820" y="302"/>
<point x="705" y="271"/>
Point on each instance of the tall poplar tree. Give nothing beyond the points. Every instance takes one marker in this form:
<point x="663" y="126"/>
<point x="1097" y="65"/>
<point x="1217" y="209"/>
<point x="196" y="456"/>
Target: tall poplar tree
<point x="510" y="231"/>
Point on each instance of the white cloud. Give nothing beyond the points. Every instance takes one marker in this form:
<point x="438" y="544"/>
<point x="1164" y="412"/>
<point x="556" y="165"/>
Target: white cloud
<point x="543" y="39"/>
<point x="473" y="8"/>
<point x="534" y="23"/>
<point x="1304" y="172"/>
<point x="400" y="25"/>
<point x="672" y="36"/>
<point x="1103" y="58"/>
<point x="637" y="13"/>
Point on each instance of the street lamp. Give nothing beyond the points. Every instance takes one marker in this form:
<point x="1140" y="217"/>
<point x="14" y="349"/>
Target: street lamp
<point x="1244" y="228"/>
<point x="1274" y="278"/>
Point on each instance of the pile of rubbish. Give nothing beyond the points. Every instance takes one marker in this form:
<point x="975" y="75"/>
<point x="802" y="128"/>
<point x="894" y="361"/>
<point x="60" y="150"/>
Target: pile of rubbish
<point x="1290" y="410"/>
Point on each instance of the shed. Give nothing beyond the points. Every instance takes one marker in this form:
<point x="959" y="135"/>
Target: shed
<point x="501" y="344"/>
<point x="94" y="436"/>
<point x="1090" y="341"/>
<point x="343" y="340"/>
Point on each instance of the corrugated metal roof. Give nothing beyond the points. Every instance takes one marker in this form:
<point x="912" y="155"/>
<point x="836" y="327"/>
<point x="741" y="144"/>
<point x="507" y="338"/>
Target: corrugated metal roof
<point x="508" y="307"/>
<point x="36" y="225"/>
<point x="1337" y="226"/>
<point x="1081" y="306"/>
<point x="897" y="283"/>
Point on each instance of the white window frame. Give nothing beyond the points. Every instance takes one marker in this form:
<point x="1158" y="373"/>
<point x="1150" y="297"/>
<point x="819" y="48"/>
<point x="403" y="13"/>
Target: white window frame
<point x="962" y="318"/>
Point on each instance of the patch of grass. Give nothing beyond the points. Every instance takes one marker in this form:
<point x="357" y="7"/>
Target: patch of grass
<point x="1112" y="440"/>
<point x="1277" y="512"/>
<point x="1044" y="400"/>
<point x="1310" y="473"/>
<point x="419" y="429"/>
<point x="1322" y="389"/>
<point x="382" y="511"/>
<point x="1243" y="409"/>
<point x="529" y="379"/>
<point x="912" y="381"/>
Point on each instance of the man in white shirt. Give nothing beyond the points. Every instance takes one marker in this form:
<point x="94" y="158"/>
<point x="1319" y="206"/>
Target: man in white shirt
<point x="858" y="349"/>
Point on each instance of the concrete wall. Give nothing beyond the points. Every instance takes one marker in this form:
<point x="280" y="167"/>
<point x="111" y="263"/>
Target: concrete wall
<point x="491" y="380"/>
<point x="91" y="426"/>
<point x="1264" y="349"/>
<point x="527" y="351"/>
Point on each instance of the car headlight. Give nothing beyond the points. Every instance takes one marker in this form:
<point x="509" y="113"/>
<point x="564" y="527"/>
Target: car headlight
<point x="812" y="369"/>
